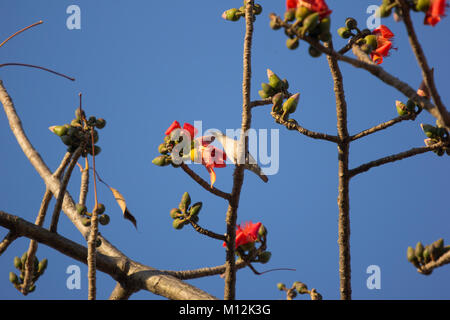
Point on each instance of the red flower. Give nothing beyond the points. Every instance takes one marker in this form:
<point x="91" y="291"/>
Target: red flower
<point x="384" y="43"/>
<point x="434" y="13"/>
<point x="246" y="233"/>
<point x="202" y="152"/>
<point x="187" y="126"/>
<point x="319" y="6"/>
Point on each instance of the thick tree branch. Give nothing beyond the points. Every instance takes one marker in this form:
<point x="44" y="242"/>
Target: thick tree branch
<point x="141" y="276"/>
<point x="344" y="179"/>
<point x="395" y="157"/>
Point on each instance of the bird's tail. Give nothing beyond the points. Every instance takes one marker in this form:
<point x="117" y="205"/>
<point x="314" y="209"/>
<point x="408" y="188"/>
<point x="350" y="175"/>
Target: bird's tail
<point x="258" y="171"/>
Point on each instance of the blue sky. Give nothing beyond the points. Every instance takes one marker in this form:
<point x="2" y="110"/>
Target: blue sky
<point x="142" y="64"/>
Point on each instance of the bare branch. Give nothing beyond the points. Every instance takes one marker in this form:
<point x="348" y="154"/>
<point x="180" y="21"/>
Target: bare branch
<point x="206" y="232"/>
<point x="430" y="266"/>
<point x="7" y="240"/>
<point x="395" y="157"/>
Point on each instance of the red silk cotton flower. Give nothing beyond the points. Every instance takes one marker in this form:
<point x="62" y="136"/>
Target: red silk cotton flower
<point x="201" y="151"/>
<point x="435" y="12"/>
<point x="246" y="233"/>
<point x="384" y="43"/>
<point x="319" y="6"/>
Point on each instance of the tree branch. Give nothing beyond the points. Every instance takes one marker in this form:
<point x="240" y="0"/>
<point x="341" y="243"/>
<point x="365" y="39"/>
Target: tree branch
<point x="430" y="266"/>
<point x="119" y="265"/>
<point x="7" y="240"/>
<point x="206" y="232"/>
<point x="395" y="157"/>
<point x="204" y="184"/>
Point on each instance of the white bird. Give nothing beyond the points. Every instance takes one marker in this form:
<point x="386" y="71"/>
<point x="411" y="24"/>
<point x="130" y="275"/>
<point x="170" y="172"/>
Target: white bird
<point x="231" y="148"/>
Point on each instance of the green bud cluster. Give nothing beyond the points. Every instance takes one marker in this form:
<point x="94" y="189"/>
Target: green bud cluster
<point x="410" y="108"/>
<point x="435" y="135"/>
<point x="274" y="86"/>
<point x="166" y="148"/>
<point x="420" y="255"/>
<point x="185" y="212"/>
<point x="235" y="14"/>
<point x="86" y="216"/>
<point x="38" y="270"/>
<point x="78" y="131"/>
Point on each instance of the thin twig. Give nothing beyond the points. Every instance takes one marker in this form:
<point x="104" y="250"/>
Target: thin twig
<point x="36" y="67"/>
<point x="204" y="184"/>
<point x="395" y="157"/>
<point x="295" y="126"/>
<point x="84" y="186"/>
<point x="62" y="191"/>
<point x="344" y="179"/>
<point x="206" y="232"/>
<point x="382" y="126"/>
<point x="20" y="31"/>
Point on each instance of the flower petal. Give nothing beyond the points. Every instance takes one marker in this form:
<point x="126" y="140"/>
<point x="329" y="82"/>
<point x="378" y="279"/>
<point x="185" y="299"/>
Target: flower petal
<point x="173" y="126"/>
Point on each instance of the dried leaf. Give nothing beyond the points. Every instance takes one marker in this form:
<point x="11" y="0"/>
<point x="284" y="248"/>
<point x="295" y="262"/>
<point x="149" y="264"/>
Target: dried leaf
<point x="123" y="205"/>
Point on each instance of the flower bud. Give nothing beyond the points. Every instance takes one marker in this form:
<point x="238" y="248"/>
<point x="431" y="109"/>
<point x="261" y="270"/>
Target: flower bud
<point x="290" y="105"/>
<point x="104" y="219"/>
<point x="292" y="44"/>
<point x="426" y="255"/>
<point x="86" y="221"/>
<point x="313" y="52"/>
<point x="100" y="208"/>
<point x="262" y="94"/>
<point x="267" y="89"/>
<point x="325" y="37"/>
<point x="410" y="254"/>
<point x="285" y="84"/>
<point x="344" y="33"/>
<point x="277" y="99"/>
<point x="351" y="23"/>
<point x="42" y="266"/>
<point x="310" y="23"/>
<point x="23" y="259"/>
<point x="410" y="105"/>
<point x="301" y="13"/>
<point x="274" y="25"/>
<point x="423" y="5"/>
<point x="289" y="15"/>
<point x="178" y="224"/>
<point x="371" y="40"/>
<point x="81" y="209"/>
<point x="13" y="278"/>
<point x="324" y="25"/>
<point x="274" y="81"/>
<point x="262" y="232"/>
<point x="185" y="202"/>
<point x="232" y="14"/>
<point x="101" y="123"/>
<point x="67" y="140"/>
<point x="384" y="11"/>
<point x="264" y="257"/>
<point x="281" y="286"/>
<point x="257" y="9"/>
<point x="161" y="161"/>
<point x="17" y="263"/>
<point x="79" y="113"/>
<point x="300" y="287"/>
<point x="419" y="250"/>
<point x="59" y="130"/>
<point x="401" y="108"/>
<point x="195" y="209"/>
<point x="97" y="150"/>
<point x="175" y="213"/>
<point x="429" y="130"/>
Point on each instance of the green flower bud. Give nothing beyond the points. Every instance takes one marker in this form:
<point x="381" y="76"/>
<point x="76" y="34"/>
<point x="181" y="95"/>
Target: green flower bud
<point x="429" y="130"/>
<point x="285" y="84"/>
<point x="175" y="213"/>
<point x="301" y="13"/>
<point x="232" y="14"/>
<point x="426" y="255"/>
<point x="281" y="286"/>
<point x="274" y="25"/>
<point x="289" y="15"/>
<point x="384" y="11"/>
<point x="195" y="209"/>
<point x="410" y="254"/>
<point x="401" y="108"/>
<point x="278" y="99"/>
<point x="92" y="121"/>
<point x="81" y="209"/>
<point x="13" y="278"/>
<point x="410" y="105"/>
<point x="42" y="266"/>
<point x="264" y="257"/>
<point x="100" y="208"/>
<point x="371" y="40"/>
<point x="351" y="23"/>
<point x="161" y="161"/>
<point x="419" y="250"/>
<point x="292" y="44"/>
<point x="290" y="105"/>
<point x="257" y="9"/>
<point x="67" y="140"/>
<point x="162" y="148"/>
<point x="324" y="25"/>
<point x="97" y="150"/>
<point x="262" y="94"/>
<point x="310" y="23"/>
<point x="86" y="221"/>
<point x="274" y="81"/>
<point x="267" y="89"/>
<point x="104" y="219"/>
<point x="185" y="202"/>
<point x="17" y="263"/>
<point x="262" y="232"/>
<point x="36" y="263"/>
<point x="78" y="114"/>
<point x="59" y="130"/>
<point x="344" y="33"/>
<point x="423" y="5"/>
<point x="300" y="287"/>
<point x="178" y="224"/>
<point x="23" y="259"/>
<point x="75" y="123"/>
<point x="439" y="244"/>
<point x="101" y="123"/>
<point x="313" y="52"/>
<point x="325" y="37"/>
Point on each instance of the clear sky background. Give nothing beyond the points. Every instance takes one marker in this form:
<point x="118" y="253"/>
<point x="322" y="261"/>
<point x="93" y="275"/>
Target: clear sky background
<point x="143" y="64"/>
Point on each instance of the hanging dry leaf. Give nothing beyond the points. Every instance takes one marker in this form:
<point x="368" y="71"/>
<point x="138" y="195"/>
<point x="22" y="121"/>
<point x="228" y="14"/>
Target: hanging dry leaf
<point x="123" y="205"/>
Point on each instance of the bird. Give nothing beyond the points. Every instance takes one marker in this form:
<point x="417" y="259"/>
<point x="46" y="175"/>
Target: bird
<point x="231" y="146"/>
